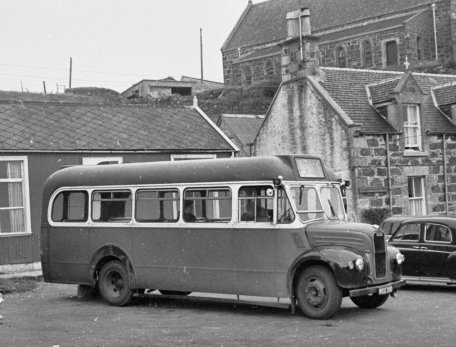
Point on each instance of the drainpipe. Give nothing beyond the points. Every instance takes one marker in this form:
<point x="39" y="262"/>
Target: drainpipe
<point x="435" y="33"/>
<point x="388" y="174"/>
<point x="445" y="172"/>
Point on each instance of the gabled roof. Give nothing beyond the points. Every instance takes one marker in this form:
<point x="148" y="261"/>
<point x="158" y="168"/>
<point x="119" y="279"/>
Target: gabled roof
<point x="40" y="126"/>
<point x="58" y="98"/>
<point x="259" y="53"/>
<point x="245" y="127"/>
<point x="265" y="22"/>
<point x="347" y="87"/>
<point x="445" y="94"/>
<point x="382" y="91"/>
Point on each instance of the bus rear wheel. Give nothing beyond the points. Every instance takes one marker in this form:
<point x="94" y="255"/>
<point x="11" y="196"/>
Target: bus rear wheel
<point x="114" y="284"/>
<point x="318" y="294"/>
<point x="370" y="301"/>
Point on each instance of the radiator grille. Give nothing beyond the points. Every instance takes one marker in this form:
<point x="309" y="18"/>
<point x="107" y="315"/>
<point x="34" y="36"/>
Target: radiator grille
<point x="380" y="255"/>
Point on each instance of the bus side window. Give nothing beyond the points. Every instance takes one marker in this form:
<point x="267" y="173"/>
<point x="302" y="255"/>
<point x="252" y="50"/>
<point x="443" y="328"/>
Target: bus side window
<point x="207" y="205"/>
<point x="155" y="206"/>
<point x="70" y="206"/>
<point x="256" y="203"/>
<point x="111" y="206"/>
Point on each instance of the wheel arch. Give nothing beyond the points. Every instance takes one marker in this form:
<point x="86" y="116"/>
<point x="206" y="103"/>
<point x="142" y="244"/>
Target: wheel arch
<point x="335" y="259"/>
<point x="108" y="253"/>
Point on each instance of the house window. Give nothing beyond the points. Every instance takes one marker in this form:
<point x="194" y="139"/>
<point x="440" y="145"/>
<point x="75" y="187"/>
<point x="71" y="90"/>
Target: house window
<point x="269" y="68"/>
<point x="412" y="127"/>
<point x="341" y="59"/>
<point x="176" y="157"/>
<point x="419" y="47"/>
<point x="101" y="160"/>
<point x="416" y="196"/>
<point x="367" y="53"/>
<point x="391" y="53"/>
<point x="247" y="74"/>
<point x="14" y="196"/>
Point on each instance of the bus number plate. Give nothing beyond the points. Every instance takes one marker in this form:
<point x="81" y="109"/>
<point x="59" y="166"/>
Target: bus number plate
<point x="385" y="290"/>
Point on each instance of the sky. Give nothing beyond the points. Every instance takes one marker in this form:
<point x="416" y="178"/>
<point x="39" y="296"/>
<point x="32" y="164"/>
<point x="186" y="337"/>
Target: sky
<point x="112" y="43"/>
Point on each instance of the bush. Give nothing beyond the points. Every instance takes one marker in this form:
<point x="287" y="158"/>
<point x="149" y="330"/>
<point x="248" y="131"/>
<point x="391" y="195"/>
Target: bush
<point x="375" y="215"/>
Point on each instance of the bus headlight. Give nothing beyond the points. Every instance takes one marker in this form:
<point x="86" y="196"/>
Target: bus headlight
<point x="399" y="258"/>
<point x="359" y="264"/>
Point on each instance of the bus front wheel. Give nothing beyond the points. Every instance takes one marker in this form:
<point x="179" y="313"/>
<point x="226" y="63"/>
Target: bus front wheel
<point x="318" y="294"/>
<point x="114" y="284"/>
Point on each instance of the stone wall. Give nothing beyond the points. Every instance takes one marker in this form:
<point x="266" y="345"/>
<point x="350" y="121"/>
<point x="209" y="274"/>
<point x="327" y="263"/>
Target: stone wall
<point x="421" y="25"/>
<point x="371" y="181"/>
<point x="301" y="122"/>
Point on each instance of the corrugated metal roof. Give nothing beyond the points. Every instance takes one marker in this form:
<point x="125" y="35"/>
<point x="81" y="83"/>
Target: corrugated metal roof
<point x="73" y="127"/>
<point x="266" y="21"/>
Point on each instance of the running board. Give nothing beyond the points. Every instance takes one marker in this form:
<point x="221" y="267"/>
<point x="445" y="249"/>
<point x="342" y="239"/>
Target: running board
<point x="228" y="299"/>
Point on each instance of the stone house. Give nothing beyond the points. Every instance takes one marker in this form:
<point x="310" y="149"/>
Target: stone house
<point x="362" y="34"/>
<point x="391" y="133"/>
<point x="41" y="134"/>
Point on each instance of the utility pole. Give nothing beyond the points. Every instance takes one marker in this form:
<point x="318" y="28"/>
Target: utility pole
<point x="71" y="69"/>
<point x="201" y="54"/>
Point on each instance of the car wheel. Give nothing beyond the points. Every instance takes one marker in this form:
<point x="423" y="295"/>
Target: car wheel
<point x="370" y="301"/>
<point x="114" y="284"/>
<point x="318" y="293"/>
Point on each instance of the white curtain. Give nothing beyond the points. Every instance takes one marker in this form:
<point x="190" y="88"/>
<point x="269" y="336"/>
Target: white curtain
<point x="16" y="197"/>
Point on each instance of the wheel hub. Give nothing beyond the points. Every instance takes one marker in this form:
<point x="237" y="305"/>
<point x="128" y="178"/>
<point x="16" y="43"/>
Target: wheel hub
<point x="315" y="292"/>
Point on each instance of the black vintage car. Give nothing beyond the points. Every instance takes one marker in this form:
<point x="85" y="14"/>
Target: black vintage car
<point x="429" y="246"/>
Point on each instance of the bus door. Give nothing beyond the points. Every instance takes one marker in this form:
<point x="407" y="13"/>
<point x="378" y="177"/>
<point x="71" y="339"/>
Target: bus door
<point x="68" y="241"/>
<point x="256" y="262"/>
<point x="207" y="239"/>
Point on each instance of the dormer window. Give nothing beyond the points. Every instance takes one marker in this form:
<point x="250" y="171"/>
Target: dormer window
<point x="412" y="127"/>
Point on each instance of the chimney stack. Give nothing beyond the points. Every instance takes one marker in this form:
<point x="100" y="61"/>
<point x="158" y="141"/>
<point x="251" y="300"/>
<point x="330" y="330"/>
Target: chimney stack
<point x="300" y="55"/>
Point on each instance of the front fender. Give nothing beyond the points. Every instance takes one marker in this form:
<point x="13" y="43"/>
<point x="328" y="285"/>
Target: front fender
<point x="337" y="259"/>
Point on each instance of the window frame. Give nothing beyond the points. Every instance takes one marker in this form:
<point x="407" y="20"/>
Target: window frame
<point x="179" y="157"/>
<point x="176" y="202"/>
<point x="367" y="49"/>
<point x="400" y="231"/>
<point x="413" y="199"/>
<point x="412" y="126"/>
<point x="204" y="203"/>
<point x="437" y="241"/>
<point x="385" y="52"/>
<point x="273" y="200"/>
<point x="86" y="207"/>
<point x="121" y="220"/>
<point x="337" y="50"/>
<point x="25" y="194"/>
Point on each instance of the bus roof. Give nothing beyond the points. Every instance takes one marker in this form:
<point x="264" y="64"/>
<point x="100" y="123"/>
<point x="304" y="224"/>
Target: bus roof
<point x="187" y="171"/>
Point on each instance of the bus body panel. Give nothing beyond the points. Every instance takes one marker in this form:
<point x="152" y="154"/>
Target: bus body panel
<point x="223" y="253"/>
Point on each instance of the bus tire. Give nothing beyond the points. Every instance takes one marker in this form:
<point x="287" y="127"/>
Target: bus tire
<point x="319" y="296"/>
<point x="114" y="284"/>
<point x="369" y="301"/>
